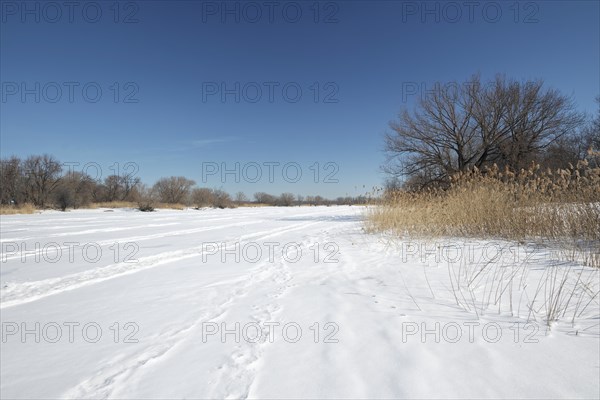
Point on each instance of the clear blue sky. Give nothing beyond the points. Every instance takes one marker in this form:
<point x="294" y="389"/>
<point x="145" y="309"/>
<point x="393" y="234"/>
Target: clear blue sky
<point x="363" y="55"/>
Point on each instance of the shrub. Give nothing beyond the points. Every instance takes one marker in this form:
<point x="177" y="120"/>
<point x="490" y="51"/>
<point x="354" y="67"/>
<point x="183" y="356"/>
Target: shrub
<point x="202" y="197"/>
<point x="145" y="206"/>
<point x="286" y="199"/>
<point x="221" y="199"/>
<point x="265" y="198"/>
<point x="175" y="189"/>
<point x="147" y="199"/>
<point x="64" y="198"/>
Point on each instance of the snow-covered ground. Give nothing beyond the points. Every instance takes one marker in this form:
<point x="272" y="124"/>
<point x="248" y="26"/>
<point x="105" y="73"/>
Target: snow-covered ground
<point x="284" y="303"/>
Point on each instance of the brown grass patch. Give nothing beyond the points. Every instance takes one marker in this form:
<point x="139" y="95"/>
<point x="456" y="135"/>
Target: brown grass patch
<point x="26" y="208"/>
<point x="562" y="206"/>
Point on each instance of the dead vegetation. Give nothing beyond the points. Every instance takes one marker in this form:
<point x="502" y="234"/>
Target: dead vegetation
<point x="26" y="208"/>
<point x="561" y="206"/>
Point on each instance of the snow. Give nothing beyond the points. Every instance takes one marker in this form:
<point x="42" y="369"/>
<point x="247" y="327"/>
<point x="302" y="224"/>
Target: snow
<point x="378" y="317"/>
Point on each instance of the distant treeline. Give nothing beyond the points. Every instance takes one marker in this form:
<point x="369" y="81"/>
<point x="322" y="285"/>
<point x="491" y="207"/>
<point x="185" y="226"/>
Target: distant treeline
<point x="43" y="181"/>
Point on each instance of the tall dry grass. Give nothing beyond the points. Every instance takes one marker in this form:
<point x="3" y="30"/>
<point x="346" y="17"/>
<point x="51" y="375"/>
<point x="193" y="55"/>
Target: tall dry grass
<point x="26" y="208"/>
<point x="561" y="206"/>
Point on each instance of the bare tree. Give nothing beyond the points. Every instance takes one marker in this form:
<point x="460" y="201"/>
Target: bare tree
<point x="146" y="198"/>
<point x="75" y="190"/>
<point x="202" y="197"/>
<point x="129" y="185"/>
<point x="457" y="127"/>
<point x="534" y="120"/>
<point x="319" y="200"/>
<point x="437" y="139"/>
<point x="240" y="197"/>
<point x="221" y="199"/>
<point x="112" y="188"/>
<point x="43" y="175"/>
<point x="63" y="197"/>
<point x="175" y="189"/>
<point x="593" y="132"/>
<point x="286" y="199"/>
<point x="576" y="145"/>
<point x="265" y="198"/>
<point x="11" y="181"/>
<point x="591" y="138"/>
<point x="120" y="187"/>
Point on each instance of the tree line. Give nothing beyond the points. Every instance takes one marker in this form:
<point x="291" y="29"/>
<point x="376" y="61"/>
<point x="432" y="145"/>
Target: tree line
<point x="43" y="181"/>
<point x="476" y="124"/>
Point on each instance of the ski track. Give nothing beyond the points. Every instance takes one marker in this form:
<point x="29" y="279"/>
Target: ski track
<point x="27" y="292"/>
<point x="235" y="376"/>
<point x="100" y="230"/>
<point x="87" y="232"/>
<point x="129" y="239"/>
